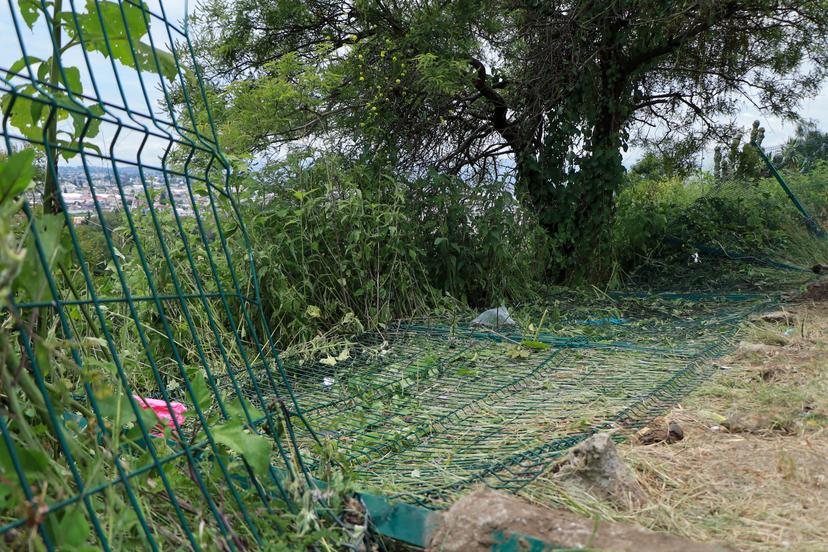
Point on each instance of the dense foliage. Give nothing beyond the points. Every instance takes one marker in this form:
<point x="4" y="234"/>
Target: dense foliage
<point x="548" y="93"/>
<point x="389" y="161"/>
<point x="673" y="232"/>
<point x="329" y="243"/>
<point x="805" y="149"/>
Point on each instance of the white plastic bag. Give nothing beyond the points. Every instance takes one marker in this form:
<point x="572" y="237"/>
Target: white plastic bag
<point x="494" y="318"/>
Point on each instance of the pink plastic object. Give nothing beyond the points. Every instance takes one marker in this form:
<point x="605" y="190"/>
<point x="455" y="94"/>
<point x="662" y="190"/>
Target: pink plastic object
<point x="163" y="412"/>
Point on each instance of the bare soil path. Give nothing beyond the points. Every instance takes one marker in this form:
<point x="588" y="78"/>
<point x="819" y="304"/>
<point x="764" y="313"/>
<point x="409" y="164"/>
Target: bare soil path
<point x="752" y="469"/>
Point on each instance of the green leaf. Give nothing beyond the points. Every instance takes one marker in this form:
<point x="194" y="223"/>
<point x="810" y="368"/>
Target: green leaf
<point x="537" y="345"/>
<point x="73" y="529"/>
<point x="18" y="65"/>
<point x="234" y="408"/>
<point x="120" y="36"/>
<point x="254" y="447"/>
<point x="32" y="278"/>
<point x="73" y="80"/>
<point x="202" y="395"/>
<point x="30" y="10"/>
<point x="166" y="61"/>
<point x="149" y="419"/>
<point x="26" y="115"/>
<point x="16" y="174"/>
<point x="92" y="147"/>
<point x="20" y="114"/>
<point x="34" y="462"/>
<point x="116" y="407"/>
<point x="93" y="116"/>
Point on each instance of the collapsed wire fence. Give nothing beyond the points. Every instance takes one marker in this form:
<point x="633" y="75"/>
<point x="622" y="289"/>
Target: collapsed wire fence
<point x="425" y="411"/>
<point x="133" y="302"/>
<point x="126" y="303"/>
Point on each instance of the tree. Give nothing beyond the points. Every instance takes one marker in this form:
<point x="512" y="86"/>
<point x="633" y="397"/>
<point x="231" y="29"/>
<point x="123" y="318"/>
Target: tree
<point x="804" y="149"/>
<point x="548" y="91"/>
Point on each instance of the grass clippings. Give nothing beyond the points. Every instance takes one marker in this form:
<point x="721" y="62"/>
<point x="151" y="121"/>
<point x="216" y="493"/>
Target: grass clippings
<point x="763" y="484"/>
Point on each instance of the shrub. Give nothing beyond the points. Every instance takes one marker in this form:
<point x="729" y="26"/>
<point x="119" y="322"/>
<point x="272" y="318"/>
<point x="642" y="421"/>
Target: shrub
<point x="335" y="241"/>
<point x="662" y="222"/>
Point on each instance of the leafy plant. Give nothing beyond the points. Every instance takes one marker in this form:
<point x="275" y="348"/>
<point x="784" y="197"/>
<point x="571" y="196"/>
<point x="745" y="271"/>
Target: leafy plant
<point x="52" y="92"/>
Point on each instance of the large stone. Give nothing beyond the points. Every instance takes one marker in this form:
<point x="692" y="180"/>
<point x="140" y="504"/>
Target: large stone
<point x="594" y="467"/>
<point x="470" y="526"/>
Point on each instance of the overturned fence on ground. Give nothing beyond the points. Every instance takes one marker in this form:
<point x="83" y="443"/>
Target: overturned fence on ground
<point x="144" y="402"/>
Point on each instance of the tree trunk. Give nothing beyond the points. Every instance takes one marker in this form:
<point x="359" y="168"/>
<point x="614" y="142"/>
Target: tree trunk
<point x="51" y="202"/>
<point x="576" y="209"/>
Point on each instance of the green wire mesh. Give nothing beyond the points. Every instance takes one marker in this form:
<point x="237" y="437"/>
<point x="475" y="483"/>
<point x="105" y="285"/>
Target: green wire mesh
<point x="135" y="286"/>
<point x="425" y="411"/>
<point x="142" y="281"/>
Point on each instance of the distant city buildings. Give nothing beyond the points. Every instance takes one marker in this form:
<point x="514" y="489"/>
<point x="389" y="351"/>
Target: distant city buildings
<point x="79" y="192"/>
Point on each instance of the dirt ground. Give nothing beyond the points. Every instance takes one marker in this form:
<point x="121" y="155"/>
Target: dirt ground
<point x="763" y="483"/>
<point x="760" y="485"/>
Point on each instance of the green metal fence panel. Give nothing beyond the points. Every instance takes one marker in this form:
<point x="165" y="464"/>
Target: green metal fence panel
<point x="144" y="404"/>
<point x="131" y="295"/>
<point x="426" y="411"/>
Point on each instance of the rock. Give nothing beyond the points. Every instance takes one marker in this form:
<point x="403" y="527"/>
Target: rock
<point x="778" y="317"/>
<point x="738" y="422"/>
<point x="666" y="432"/>
<point x="594" y="467"/>
<point x="470" y="526"/>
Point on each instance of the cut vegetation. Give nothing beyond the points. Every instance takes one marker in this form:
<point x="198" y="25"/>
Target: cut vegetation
<point x="760" y="485"/>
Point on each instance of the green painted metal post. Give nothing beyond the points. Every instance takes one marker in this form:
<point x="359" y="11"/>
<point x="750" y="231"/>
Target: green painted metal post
<point x="810" y="222"/>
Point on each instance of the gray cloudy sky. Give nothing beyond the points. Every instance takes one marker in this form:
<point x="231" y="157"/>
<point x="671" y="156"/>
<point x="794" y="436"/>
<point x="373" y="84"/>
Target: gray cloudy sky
<point x="776" y="131"/>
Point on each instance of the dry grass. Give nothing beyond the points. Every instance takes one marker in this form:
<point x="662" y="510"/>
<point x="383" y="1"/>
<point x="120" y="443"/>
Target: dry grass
<point x="764" y="487"/>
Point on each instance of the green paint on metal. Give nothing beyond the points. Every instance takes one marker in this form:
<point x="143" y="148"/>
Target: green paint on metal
<point x="510" y="541"/>
<point x="400" y="521"/>
<point x="179" y="283"/>
<point x="811" y="223"/>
